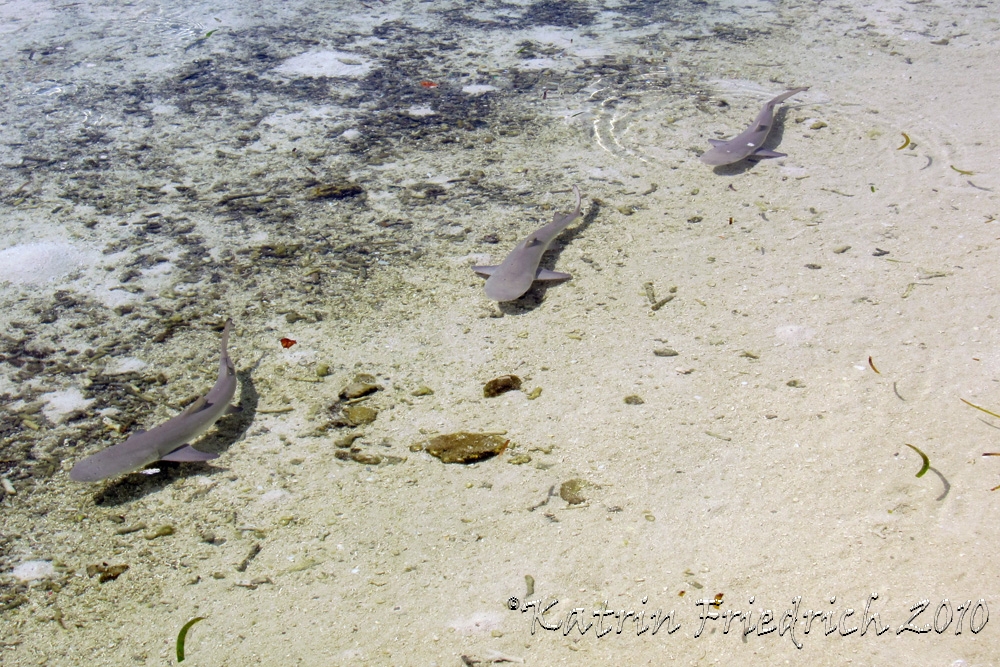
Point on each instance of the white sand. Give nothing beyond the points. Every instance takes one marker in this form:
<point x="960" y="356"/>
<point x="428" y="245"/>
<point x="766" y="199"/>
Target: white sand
<point x="325" y="63"/>
<point x="40" y="263"/>
<point x="32" y="570"/>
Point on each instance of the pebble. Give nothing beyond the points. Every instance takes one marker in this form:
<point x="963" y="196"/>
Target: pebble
<point x="356" y="415"/>
<point x="162" y="531"/>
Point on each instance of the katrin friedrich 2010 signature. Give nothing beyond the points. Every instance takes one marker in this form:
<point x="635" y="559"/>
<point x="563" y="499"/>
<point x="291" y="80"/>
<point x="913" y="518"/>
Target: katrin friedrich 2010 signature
<point x="923" y="618"/>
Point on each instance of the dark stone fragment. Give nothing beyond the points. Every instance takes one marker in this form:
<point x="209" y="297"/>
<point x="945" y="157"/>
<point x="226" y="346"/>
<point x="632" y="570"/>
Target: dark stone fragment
<point x="341" y="190"/>
<point x="501" y="385"/>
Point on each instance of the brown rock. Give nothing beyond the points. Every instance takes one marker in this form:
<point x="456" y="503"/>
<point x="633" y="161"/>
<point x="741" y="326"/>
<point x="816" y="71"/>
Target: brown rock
<point x="464" y="447"/>
<point x="358" y="456"/>
<point x="356" y="415"/>
<point x="362" y="385"/>
<point x="572" y="490"/>
<point x="105" y="572"/>
<point x="501" y="385"/>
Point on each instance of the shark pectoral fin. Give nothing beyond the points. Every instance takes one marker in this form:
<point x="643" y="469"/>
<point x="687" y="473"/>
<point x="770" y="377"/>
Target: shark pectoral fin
<point x="232" y="409"/>
<point x="545" y="274"/>
<point x="762" y="153"/>
<point x="717" y="142"/>
<point x="485" y="270"/>
<point x="187" y="453"/>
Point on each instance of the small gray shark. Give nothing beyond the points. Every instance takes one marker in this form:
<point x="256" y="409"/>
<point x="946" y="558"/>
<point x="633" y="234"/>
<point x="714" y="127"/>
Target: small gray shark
<point x="513" y="277"/>
<point x="168" y="441"/>
<point x="748" y="143"/>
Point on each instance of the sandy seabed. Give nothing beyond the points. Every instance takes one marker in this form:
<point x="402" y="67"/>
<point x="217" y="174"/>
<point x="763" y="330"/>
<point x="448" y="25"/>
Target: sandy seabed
<point x="722" y="478"/>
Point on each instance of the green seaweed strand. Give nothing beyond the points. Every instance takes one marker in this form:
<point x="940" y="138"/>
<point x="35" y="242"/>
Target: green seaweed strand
<point x="993" y="414"/>
<point x="927" y="461"/>
<point x="183" y="635"/>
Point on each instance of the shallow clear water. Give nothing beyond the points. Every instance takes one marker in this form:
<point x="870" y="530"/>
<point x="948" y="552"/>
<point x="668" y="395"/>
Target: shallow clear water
<point x="326" y="173"/>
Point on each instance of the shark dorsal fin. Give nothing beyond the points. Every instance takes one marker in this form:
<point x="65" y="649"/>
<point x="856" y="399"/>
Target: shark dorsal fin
<point x="200" y="404"/>
<point x="187" y="453"/>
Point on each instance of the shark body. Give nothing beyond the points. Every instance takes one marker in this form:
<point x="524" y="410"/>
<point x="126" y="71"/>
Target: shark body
<point x="514" y="276"/>
<point x="747" y="144"/>
<point x="168" y="441"/>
